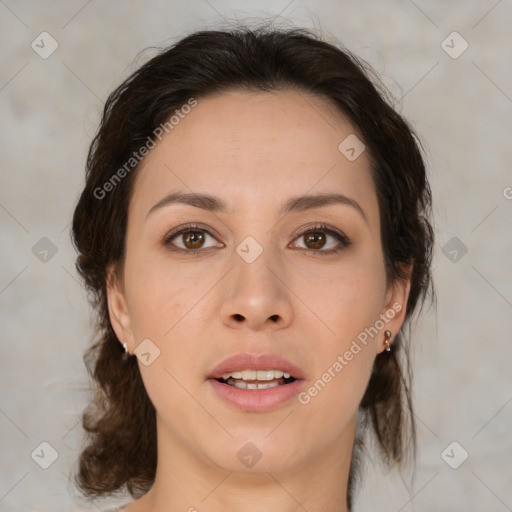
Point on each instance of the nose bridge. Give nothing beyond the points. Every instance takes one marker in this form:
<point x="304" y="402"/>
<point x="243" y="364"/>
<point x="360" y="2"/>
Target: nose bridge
<point x="256" y="266"/>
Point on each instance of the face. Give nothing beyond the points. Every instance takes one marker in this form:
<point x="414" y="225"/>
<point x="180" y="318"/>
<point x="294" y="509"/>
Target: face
<point x="306" y="284"/>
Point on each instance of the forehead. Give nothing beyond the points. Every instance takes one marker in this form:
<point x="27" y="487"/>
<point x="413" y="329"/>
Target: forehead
<point x="253" y="149"/>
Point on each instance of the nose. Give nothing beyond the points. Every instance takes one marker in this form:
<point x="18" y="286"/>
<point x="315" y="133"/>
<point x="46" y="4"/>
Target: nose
<point x="256" y="295"/>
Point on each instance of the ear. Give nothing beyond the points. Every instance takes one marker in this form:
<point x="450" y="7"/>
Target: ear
<point x="118" y="310"/>
<point x="395" y="307"/>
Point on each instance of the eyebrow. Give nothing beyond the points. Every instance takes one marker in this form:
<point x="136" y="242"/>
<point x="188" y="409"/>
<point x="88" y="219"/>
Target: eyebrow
<point x="294" y="204"/>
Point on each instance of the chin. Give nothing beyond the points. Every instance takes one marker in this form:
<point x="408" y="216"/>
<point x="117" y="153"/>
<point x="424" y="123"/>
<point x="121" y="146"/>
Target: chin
<point x="252" y="454"/>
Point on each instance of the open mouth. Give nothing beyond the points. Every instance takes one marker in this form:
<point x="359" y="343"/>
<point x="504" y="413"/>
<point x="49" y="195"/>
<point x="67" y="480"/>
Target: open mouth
<point x="256" y="383"/>
<point x="257" y="389"/>
<point x="257" y="379"/>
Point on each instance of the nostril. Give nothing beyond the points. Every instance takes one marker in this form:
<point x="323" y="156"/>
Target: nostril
<point x="238" y="317"/>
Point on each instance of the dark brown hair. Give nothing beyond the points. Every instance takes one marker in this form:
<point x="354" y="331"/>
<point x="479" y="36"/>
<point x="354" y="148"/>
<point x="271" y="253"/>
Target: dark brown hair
<point x="120" y="422"/>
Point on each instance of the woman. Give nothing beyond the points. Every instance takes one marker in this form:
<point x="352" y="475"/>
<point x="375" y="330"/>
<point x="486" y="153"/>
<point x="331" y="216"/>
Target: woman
<point x="255" y="232"/>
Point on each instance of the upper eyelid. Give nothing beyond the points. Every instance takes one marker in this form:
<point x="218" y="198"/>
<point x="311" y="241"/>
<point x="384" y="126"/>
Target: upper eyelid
<point x="188" y="227"/>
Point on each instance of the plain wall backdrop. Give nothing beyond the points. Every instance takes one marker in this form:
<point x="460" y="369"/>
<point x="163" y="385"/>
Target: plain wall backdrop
<point x="454" y="88"/>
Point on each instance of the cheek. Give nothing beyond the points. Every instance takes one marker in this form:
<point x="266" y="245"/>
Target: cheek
<point x="159" y="295"/>
<point x="348" y="307"/>
<point x="345" y="354"/>
<point x="347" y="297"/>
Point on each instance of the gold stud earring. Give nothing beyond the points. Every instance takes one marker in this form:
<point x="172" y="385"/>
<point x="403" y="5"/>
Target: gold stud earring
<point x="387" y="337"/>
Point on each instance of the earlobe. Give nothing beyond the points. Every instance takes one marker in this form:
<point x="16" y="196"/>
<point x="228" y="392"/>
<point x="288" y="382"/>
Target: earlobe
<point x="395" y="310"/>
<point x="118" y="310"/>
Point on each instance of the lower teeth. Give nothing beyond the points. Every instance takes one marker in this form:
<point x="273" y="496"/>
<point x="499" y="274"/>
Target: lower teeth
<point x="243" y="385"/>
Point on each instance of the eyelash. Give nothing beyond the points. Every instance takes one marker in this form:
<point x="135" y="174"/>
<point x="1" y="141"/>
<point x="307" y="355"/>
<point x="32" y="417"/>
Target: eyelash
<point x="341" y="237"/>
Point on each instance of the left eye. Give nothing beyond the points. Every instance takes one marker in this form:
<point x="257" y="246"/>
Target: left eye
<point x="316" y="239"/>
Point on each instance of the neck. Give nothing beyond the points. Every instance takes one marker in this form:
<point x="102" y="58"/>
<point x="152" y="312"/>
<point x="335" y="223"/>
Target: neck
<point x="186" y="482"/>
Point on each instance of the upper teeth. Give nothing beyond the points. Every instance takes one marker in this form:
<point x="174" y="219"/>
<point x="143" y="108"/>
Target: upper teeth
<point x="257" y="375"/>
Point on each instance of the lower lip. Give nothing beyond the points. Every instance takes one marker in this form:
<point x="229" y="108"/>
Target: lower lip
<point x="256" y="399"/>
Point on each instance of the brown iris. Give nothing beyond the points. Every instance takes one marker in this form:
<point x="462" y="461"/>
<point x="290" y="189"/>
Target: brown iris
<point x="195" y="238"/>
<point x="317" y="238"/>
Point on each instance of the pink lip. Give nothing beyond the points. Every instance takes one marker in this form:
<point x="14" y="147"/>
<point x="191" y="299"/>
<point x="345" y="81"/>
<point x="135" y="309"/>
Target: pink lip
<point x="256" y="399"/>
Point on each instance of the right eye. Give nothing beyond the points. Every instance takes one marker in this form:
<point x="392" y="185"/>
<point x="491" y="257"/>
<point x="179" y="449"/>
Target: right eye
<point x="192" y="238"/>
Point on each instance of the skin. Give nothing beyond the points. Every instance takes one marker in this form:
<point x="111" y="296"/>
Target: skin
<point x="199" y="309"/>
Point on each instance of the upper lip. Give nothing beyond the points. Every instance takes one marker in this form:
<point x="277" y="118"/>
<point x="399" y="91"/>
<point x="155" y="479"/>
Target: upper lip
<point x="246" y="361"/>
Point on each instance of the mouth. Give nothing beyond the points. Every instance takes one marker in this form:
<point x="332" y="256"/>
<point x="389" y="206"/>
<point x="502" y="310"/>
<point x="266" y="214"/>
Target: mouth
<point x="256" y="383"/>
<point x="256" y="379"/>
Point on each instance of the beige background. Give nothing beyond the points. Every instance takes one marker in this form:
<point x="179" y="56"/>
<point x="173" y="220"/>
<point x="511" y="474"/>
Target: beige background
<point x="461" y="107"/>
